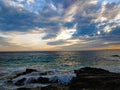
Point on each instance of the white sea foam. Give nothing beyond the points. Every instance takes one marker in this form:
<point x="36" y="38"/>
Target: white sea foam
<point x="113" y="58"/>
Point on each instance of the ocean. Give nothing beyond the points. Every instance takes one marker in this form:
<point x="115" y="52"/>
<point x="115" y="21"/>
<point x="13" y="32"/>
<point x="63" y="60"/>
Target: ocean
<point x="60" y="63"/>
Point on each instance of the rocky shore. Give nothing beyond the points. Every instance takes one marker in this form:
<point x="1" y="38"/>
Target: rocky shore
<point x="87" y="78"/>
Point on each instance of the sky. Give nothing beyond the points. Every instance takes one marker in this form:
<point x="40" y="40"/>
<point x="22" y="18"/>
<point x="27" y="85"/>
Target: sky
<point x="48" y="25"/>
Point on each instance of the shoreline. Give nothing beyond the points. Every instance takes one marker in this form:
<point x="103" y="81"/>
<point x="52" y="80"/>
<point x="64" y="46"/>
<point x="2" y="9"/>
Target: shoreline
<point x="87" y="78"/>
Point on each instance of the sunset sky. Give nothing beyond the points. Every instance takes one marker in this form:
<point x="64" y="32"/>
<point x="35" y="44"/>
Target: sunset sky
<point x="27" y="25"/>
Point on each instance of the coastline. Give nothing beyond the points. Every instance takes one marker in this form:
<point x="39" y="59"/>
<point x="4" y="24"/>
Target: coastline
<point x="60" y="71"/>
<point x="87" y="78"/>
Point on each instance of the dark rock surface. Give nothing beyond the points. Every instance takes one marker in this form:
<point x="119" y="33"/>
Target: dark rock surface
<point x="23" y="89"/>
<point x="89" y="70"/>
<point x="30" y="70"/>
<point x="49" y="87"/>
<point x="95" y="79"/>
<point x="20" y="82"/>
<point x="115" y="56"/>
<point x="43" y="80"/>
<point x="46" y="72"/>
<point x="25" y="72"/>
<point x="32" y="80"/>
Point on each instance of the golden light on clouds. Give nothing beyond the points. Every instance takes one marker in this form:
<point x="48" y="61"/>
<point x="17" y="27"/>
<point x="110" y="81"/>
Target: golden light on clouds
<point x="111" y="47"/>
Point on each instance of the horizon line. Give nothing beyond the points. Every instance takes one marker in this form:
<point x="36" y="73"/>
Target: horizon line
<point x="57" y="50"/>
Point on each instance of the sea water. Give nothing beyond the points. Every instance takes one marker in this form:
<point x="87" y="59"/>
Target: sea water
<point x="60" y="63"/>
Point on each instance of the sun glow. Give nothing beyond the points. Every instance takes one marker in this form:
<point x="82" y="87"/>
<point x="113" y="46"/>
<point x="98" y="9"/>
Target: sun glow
<point x="66" y="34"/>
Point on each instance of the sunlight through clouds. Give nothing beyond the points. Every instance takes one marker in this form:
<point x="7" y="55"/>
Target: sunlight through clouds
<point x="59" y="24"/>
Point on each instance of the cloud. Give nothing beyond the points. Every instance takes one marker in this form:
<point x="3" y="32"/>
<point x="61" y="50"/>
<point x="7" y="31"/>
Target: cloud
<point x="63" y="3"/>
<point x="51" y="33"/>
<point x="59" y="42"/>
<point x="97" y="17"/>
<point x="92" y="42"/>
<point x="94" y="21"/>
<point x="116" y="31"/>
<point x="13" y="19"/>
<point x="4" y="41"/>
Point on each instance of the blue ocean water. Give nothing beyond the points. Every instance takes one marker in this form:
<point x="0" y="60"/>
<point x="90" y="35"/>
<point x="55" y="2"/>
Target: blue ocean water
<point x="60" y="60"/>
<point x="61" y="63"/>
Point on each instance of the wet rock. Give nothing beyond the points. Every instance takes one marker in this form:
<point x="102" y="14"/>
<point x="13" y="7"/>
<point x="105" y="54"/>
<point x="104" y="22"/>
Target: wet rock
<point x="23" y="89"/>
<point x="87" y="78"/>
<point x="20" y="82"/>
<point x="89" y="70"/>
<point x="43" y="73"/>
<point x="54" y="79"/>
<point x="10" y="81"/>
<point x="49" y="87"/>
<point x="43" y="80"/>
<point x="112" y="85"/>
<point x="95" y="79"/>
<point x="32" y="80"/>
<point x="56" y="87"/>
<point x="26" y="72"/>
<point x="46" y="73"/>
<point x="115" y="56"/>
<point x="30" y="70"/>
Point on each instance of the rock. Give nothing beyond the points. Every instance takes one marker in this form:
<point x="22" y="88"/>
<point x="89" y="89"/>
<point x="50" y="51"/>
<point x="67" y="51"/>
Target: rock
<point x="23" y="89"/>
<point x="87" y="78"/>
<point x="49" y="87"/>
<point x="54" y="79"/>
<point x="90" y="70"/>
<point x="20" y="82"/>
<point x="56" y="87"/>
<point x="43" y="80"/>
<point x="32" y="80"/>
<point x="26" y="72"/>
<point x="112" y="85"/>
<point x="30" y="70"/>
<point x="10" y="81"/>
<point x="95" y="79"/>
<point x="115" y="56"/>
<point x="43" y="73"/>
<point x="46" y="73"/>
